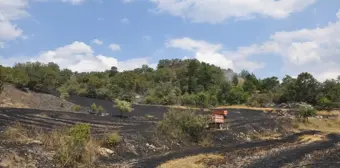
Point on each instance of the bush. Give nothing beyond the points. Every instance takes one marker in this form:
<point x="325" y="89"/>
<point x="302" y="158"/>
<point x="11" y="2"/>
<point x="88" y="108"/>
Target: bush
<point x="75" y="146"/>
<point x="100" y="109"/>
<point x="123" y="106"/>
<point x="94" y="107"/>
<point x="202" y="99"/>
<point x="183" y="124"/>
<point x="76" y="108"/>
<point x="188" y="100"/>
<point x="80" y="133"/>
<point x="325" y="104"/>
<point x="305" y="111"/>
<point x="112" y="139"/>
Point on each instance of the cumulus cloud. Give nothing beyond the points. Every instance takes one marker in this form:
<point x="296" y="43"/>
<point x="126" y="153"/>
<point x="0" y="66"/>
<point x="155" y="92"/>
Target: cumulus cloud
<point x="114" y="47"/>
<point x="215" y="11"/>
<point x="213" y="54"/>
<point x="80" y="57"/>
<point x="97" y="41"/>
<point x="307" y="50"/>
<point x="11" y="10"/>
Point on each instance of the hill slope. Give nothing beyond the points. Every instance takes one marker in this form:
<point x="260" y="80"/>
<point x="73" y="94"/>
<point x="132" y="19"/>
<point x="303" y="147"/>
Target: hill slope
<point x="15" y="98"/>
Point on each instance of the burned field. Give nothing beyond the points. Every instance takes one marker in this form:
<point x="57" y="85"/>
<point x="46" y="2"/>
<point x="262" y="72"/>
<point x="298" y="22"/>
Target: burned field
<point x="251" y="138"/>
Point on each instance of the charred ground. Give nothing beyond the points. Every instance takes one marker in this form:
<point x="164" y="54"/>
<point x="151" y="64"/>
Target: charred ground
<point x="243" y="144"/>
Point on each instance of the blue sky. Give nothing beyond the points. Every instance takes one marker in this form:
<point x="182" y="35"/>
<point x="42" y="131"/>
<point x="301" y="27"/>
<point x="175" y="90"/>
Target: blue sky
<point x="267" y="37"/>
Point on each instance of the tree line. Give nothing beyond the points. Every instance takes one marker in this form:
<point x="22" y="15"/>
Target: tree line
<point x="177" y="82"/>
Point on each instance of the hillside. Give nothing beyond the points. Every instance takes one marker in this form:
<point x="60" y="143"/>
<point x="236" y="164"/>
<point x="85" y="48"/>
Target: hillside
<point x="15" y="98"/>
<point x="177" y="82"/>
<point x="29" y="132"/>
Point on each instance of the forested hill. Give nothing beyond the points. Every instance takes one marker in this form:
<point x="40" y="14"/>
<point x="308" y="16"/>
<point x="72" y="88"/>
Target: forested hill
<point x="176" y="82"/>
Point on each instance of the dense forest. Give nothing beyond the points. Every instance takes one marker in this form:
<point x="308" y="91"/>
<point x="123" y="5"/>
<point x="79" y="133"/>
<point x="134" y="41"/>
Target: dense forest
<point x="176" y="82"/>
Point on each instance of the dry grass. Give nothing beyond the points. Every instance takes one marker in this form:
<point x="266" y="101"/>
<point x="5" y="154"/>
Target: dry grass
<point x="312" y="138"/>
<point x="13" y="160"/>
<point x="197" y="161"/>
<point x="69" y="152"/>
<point x="266" y="136"/>
<point x="7" y="102"/>
<point x="17" y="134"/>
<point x="329" y="113"/>
<point x="323" y="125"/>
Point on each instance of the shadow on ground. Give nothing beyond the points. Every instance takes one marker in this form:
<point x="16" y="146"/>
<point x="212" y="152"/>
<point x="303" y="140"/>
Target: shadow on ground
<point x="278" y="160"/>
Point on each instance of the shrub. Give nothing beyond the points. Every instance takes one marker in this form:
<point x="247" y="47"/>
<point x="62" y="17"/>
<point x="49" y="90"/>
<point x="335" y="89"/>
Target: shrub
<point x="94" y="107"/>
<point x="74" y="146"/>
<point x="80" y="133"/>
<point x="325" y="104"/>
<point x="305" y="111"/>
<point x="112" y="139"/>
<point x="76" y="108"/>
<point x="183" y="124"/>
<point x="188" y="100"/>
<point x="202" y="99"/>
<point x="100" y="109"/>
<point x="123" y="106"/>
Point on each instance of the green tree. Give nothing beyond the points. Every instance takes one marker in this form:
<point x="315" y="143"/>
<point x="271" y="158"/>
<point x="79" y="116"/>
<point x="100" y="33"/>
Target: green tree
<point x="307" y="88"/>
<point x="237" y="96"/>
<point x="223" y="93"/>
<point x="202" y="100"/>
<point x="123" y="106"/>
<point x="268" y="84"/>
<point x="235" y="80"/>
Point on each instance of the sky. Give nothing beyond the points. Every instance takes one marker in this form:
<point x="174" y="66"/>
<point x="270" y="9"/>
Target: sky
<point x="266" y="37"/>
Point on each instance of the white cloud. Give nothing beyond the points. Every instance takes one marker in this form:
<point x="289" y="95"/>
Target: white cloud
<point x="114" y="47"/>
<point x="212" y="53"/>
<point x="215" y="11"/>
<point x="11" y="10"/>
<point x="338" y="14"/>
<point x="74" y="2"/>
<point x="307" y="50"/>
<point x="97" y="41"/>
<point x="80" y="57"/>
<point x="125" y="20"/>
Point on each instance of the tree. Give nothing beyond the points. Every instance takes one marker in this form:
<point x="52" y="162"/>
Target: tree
<point x="223" y="93"/>
<point x="235" y="80"/>
<point x="113" y="71"/>
<point x="123" y="107"/>
<point x="237" y="96"/>
<point x="202" y="100"/>
<point x="307" y="88"/>
<point x="269" y="84"/>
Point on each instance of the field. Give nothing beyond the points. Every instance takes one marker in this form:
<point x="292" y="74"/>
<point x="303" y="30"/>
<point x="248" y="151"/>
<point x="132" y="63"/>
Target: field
<point x="251" y="138"/>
